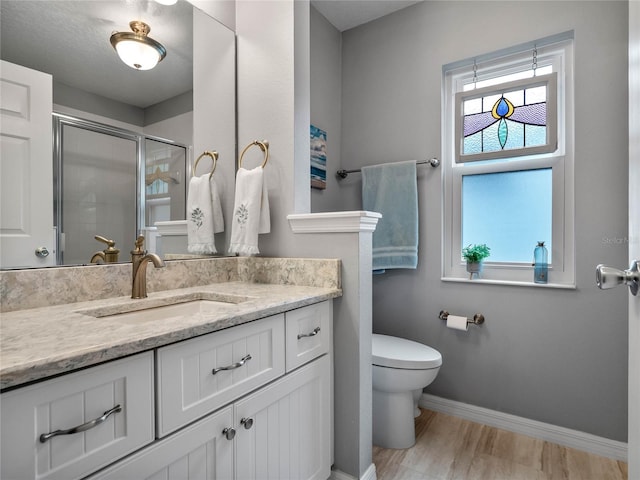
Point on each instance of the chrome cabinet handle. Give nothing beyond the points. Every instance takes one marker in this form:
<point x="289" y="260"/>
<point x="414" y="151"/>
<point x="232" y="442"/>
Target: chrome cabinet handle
<point x="247" y="423"/>
<point x="229" y="433"/>
<point x="232" y="366"/>
<point x="81" y="428"/>
<point x="609" y="277"/>
<point x="312" y="334"/>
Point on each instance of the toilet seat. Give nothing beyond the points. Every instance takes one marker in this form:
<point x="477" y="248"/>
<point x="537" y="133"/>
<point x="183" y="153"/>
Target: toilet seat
<point x="397" y="352"/>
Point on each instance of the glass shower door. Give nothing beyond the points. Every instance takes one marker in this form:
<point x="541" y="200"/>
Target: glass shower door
<point x="98" y="193"/>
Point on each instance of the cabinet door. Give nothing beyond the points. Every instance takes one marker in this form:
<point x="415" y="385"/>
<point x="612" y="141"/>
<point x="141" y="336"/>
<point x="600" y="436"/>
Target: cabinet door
<point x="198" y="376"/>
<point x="198" y="452"/>
<point x="89" y="418"/>
<point x="283" y="430"/>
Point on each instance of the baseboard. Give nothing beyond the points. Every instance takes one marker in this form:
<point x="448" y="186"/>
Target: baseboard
<point x="369" y="474"/>
<point x="532" y="428"/>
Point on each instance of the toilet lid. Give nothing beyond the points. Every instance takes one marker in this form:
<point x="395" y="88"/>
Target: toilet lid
<point x="397" y="352"/>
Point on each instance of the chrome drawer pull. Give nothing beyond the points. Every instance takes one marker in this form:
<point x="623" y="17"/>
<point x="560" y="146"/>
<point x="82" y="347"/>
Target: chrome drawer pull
<point x="81" y="428"/>
<point x="312" y="334"/>
<point x="233" y="366"/>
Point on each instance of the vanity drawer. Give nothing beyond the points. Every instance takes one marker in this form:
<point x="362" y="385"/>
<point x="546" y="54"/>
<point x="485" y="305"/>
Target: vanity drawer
<point x="308" y="333"/>
<point x="83" y="398"/>
<point x="243" y="358"/>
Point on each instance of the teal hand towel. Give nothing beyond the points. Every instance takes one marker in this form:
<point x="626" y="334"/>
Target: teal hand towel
<point x="392" y="190"/>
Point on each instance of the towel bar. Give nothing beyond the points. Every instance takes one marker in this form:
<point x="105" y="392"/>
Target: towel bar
<point x="478" y="318"/>
<point x="434" y="162"/>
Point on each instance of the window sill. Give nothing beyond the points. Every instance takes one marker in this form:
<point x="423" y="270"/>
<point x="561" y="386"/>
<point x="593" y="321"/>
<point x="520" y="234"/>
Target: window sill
<point x="510" y="283"/>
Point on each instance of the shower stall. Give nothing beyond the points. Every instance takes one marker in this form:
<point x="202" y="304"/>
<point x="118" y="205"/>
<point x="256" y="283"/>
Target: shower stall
<point x="113" y="183"/>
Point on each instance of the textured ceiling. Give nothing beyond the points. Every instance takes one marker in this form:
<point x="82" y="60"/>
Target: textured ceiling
<point x="70" y="40"/>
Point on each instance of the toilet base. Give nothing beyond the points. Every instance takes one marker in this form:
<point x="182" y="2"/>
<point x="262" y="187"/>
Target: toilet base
<point x="393" y="424"/>
<point x="416" y="399"/>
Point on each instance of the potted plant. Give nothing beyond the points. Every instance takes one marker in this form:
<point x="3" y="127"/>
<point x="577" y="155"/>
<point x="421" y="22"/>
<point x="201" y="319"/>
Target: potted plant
<point x="474" y="255"/>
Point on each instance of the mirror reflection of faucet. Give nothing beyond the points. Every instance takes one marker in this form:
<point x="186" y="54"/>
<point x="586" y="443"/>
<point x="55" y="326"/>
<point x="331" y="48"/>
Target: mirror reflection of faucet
<point x="140" y="259"/>
<point x="108" y="255"/>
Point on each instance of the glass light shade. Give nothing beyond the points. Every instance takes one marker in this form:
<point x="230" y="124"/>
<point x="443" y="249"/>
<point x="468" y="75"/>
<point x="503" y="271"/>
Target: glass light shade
<point x="136" y="49"/>
<point x="137" y="54"/>
<point x="167" y="2"/>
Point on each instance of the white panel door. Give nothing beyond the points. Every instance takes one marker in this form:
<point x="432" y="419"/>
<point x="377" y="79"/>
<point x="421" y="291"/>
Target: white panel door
<point x="199" y="452"/>
<point x="634" y="237"/>
<point x="26" y="168"/>
<point x="283" y="431"/>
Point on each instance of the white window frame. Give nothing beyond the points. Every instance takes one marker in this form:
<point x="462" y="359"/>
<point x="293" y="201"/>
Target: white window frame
<point x="559" y="54"/>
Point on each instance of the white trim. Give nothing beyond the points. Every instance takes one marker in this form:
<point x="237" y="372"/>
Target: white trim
<point x="334" y="222"/>
<point x="369" y="474"/>
<point x="562" y="270"/>
<point x="532" y="428"/>
<point x="171" y="227"/>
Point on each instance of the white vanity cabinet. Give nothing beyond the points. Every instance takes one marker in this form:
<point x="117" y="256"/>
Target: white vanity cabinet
<point x="266" y="423"/>
<point x="68" y="426"/>
<point x="253" y="401"/>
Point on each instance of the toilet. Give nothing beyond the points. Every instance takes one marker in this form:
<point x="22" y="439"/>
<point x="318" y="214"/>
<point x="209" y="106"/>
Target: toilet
<point x="401" y="369"/>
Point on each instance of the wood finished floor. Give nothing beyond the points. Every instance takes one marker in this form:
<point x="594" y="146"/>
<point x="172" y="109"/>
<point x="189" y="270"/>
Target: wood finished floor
<point x="450" y="448"/>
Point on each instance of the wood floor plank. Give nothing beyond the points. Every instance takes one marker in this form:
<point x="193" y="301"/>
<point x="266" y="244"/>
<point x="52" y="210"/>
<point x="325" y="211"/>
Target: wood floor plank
<point x="451" y="448"/>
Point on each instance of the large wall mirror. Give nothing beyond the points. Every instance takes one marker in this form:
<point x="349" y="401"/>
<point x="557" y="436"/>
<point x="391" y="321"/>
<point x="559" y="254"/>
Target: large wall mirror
<point x="123" y="140"/>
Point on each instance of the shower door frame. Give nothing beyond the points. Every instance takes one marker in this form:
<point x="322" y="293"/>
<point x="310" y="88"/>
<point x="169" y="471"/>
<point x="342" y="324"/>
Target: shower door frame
<point x="61" y="120"/>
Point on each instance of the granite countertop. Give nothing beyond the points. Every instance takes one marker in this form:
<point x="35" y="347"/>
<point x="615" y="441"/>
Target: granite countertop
<point x="41" y="342"/>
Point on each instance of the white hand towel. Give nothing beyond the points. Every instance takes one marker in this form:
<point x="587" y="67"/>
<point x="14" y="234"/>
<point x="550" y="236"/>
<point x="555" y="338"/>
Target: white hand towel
<point x="204" y="215"/>
<point x="250" y="212"/>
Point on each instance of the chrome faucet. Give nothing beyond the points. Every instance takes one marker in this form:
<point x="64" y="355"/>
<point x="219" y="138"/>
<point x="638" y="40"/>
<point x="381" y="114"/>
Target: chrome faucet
<point x="140" y="258"/>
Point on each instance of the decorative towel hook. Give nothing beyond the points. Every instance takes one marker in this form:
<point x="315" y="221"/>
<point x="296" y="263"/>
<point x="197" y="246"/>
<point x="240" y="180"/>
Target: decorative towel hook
<point x="214" y="158"/>
<point x="264" y="146"/>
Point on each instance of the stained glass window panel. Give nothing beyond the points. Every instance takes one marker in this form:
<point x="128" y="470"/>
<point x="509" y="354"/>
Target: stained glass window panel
<point x="508" y="120"/>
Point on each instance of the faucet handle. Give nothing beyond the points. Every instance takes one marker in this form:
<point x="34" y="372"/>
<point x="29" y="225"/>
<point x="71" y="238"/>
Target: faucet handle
<point x="139" y="244"/>
<point x="110" y="243"/>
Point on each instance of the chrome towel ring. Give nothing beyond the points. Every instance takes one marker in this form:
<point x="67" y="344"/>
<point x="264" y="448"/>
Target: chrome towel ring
<point x="214" y="158"/>
<point x="264" y="146"/>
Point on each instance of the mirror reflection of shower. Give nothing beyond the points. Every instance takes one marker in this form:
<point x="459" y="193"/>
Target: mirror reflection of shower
<point x="114" y="183"/>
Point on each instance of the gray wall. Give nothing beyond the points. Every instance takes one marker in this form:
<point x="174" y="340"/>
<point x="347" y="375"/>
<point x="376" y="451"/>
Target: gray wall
<point x="326" y="97"/>
<point x="556" y="356"/>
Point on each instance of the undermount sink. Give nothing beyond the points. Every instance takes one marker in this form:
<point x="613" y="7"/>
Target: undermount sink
<point x="189" y="305"/>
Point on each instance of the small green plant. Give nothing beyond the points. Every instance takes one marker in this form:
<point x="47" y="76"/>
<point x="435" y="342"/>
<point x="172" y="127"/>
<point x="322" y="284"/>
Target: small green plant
<point x="475" y="253"/>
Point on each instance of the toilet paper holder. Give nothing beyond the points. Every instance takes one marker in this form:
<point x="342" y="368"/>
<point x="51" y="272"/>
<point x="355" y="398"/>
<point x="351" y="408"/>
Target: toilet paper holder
<point x="478" y="318"/>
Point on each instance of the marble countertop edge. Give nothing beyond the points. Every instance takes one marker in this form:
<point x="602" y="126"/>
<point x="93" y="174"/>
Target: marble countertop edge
<point x="44" y="342"/>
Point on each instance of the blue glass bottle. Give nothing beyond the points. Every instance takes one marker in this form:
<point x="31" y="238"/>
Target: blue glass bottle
<point x="540" y="263"/>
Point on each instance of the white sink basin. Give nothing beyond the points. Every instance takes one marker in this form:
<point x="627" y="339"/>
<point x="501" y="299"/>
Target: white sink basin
<point x="169" y="312"/>
<point x="205" y="303"/>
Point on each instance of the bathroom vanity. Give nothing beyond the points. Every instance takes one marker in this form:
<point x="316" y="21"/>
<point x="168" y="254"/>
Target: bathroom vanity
<point x="229" y="380"/>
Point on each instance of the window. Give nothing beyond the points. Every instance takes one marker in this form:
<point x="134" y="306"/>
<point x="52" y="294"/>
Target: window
<point x="508" y="161"/>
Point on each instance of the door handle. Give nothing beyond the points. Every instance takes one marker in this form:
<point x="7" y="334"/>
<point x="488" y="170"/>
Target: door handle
<point x="609" y="277"/>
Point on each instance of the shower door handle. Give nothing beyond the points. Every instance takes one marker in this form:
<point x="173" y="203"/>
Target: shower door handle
<point x="609" y="277"/>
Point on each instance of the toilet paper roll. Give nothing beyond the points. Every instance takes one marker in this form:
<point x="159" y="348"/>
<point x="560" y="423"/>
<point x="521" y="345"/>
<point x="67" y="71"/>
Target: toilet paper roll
<point x="458" y="323"/>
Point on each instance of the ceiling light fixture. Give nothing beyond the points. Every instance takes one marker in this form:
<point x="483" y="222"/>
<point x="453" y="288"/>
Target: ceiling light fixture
<point x="136" y="48"/>
<point x="167" y="2"/>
